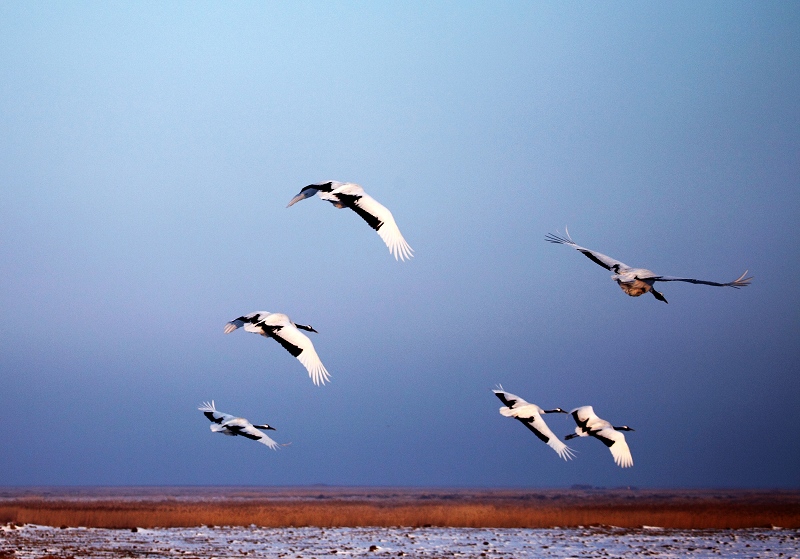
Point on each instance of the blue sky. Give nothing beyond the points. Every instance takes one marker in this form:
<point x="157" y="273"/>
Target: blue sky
<point x="147" y="156"/>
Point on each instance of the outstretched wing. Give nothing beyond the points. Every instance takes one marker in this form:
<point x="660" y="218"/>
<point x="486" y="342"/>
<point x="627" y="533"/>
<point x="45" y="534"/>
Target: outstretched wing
<point x="583" y="417"/>
<point x="298" y="344"/>
<point x="377" y="216"/>
<point x="615" y="441"/>
<point x="598" y="258"/>
<point x="212" y="414"/>
<point x="741" y="281"/>
<point x="248" y="321"/>
<point x="529" y="416"/>
<point x="508" y="399"/>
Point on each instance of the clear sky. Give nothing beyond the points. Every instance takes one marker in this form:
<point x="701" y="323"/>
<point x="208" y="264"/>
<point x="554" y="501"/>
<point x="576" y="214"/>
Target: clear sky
<point x="147" y="154"/>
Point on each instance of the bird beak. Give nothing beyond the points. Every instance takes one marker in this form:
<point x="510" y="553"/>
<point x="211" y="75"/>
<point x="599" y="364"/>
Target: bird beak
<point x="305" y="193"/>
<point x="268" y="428"/>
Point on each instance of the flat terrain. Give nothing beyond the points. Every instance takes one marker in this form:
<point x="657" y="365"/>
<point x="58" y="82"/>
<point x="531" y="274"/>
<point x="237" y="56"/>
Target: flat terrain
<point x="323" y="506"/>
<point x="40" y="542"/>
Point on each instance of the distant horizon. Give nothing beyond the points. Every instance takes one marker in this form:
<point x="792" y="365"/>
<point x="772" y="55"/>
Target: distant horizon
<point x="409" y="487"/>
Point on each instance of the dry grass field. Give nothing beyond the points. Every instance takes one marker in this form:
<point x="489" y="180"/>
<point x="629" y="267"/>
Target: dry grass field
<point x="353" y="507"/>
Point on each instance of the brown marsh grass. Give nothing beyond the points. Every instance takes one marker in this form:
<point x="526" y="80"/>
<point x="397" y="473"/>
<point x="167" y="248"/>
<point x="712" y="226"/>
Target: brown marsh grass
<point x="401" y="507"/>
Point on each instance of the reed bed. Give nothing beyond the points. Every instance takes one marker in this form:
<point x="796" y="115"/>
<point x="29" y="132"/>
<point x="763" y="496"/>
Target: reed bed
<point x="694" y="513"/>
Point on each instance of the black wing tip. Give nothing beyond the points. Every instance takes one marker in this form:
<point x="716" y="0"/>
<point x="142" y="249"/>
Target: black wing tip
<point x="557" y="238"/>
<point x="552" y="238"/>
<point x="741" y="281"/>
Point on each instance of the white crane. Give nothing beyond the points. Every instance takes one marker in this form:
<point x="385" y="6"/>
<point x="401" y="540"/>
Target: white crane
<point x="228" y="424"/>
<point x="589" y="425"/>
<point x="530" y="415"/>
<point x="637" y="281"/>
<point x="278" y="327"/>
<point x="351" y="195"/>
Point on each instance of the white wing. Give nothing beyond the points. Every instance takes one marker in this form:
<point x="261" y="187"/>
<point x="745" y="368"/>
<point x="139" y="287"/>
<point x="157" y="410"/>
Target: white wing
<point x="530" y="416"/>
<point x="249" y="322"/>
<point x="616" y="443"/>
<point x="605" y="261"/>
<point x="509" y="399"/>
<point x="298" y="344"/>
<point x="213" y="415"/>
<point x="233" y="325"/>
<point x="584" y="417"/>
<point x="377" y="216"/>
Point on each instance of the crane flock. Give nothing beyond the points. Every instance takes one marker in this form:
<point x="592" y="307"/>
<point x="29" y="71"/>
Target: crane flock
<point x="278" y="326"/>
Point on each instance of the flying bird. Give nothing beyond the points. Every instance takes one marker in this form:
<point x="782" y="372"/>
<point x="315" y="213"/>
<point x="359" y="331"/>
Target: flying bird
<point x="278" y="327"/>
<point x="351" y="195"/>
<point x="589" y="425"/>
<point x="637" y="281"/>
<point x="228" y="424"/>
<point x="530" y="415"/>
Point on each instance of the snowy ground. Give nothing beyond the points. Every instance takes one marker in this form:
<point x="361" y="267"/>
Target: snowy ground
<point x="38" y="541"/>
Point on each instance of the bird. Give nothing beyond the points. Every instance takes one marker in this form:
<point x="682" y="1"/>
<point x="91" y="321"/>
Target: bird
<point x="589" y="425"/>
<point x="530" y="415"/>
<point x="278" y="327"/>
<point x="351" y="195"/>
<point x="228" y="424"/>
<point x="638" y="281"/>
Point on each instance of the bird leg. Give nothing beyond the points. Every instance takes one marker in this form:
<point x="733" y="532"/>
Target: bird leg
<point x="658" y="295"/>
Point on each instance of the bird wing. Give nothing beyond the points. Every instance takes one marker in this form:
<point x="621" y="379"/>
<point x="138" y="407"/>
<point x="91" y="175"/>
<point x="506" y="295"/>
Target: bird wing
<point x="583" y="416"/>
<point x="377" y="216"/>
<point x="233" y="325"/>
<point x="741" y="281"/>
<point x="212" y="414"/>
<point x="598" y="258"/>
<point x="298" y="344"/>
<point x="530" y="416"/>
<point x="244" y="428"/>
<point x="509" y="399"/>
<point x="615" y="441"/>
<point x="248" y="321"/>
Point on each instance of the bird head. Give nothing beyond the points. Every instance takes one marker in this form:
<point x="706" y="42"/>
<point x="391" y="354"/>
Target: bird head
<point x="264" y="427"/>
<point x="307" y="328"/>
<point x="307" y="192"/>
<point x="624" y="428"/>
<point x="555" y="410"/>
